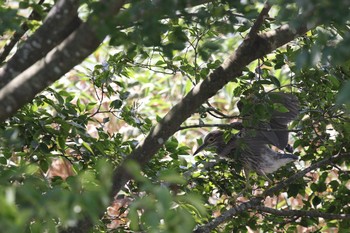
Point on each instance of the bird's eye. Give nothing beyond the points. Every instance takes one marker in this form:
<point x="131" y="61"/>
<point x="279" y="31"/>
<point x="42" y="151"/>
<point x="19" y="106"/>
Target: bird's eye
<point x="210" y="139"/>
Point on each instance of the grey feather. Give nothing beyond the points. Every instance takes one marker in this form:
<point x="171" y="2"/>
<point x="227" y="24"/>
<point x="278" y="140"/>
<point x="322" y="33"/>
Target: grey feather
<point x="250" y="145"/>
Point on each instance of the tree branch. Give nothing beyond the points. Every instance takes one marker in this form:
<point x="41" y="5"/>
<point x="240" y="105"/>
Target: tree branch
<point x="207" y="228"/>
<point x="84" y="41"/>
<point x="248" y="51"/>
<point x="69" y="53"/>
<point x="72" y="51"/>
<point x="227" y="215"/>
<point x="237" y="126"/>
<point x="223" y="126"/>
<point x="301" y="174"/>
<point x="61" y="21"/>
<point x="58" y="25"/>
<point x="4" y="52"/>
<point x="219" y="115"/>
<point x="301" y="213"/>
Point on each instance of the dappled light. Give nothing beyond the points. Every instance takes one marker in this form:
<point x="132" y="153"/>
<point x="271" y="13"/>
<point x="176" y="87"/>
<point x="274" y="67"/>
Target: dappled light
<point x="174" y="116"/>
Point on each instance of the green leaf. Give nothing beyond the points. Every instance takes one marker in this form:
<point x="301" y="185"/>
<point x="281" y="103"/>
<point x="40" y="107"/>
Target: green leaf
<point x="90" y="106"/>
<point x="124" y="95"/>
<point x="195" y="201"/>
<point x="87" y="146"/>
<point x="171" y="145"/>
<point x="275" y="81"/>
<point x="3" y="160"/>
<point x="61" y="142"/>
<point x="81" y="106"/>
<point x="316" y="201"/>
<point x="280" y="107"/>
<point x="171" y="177"/>
<point x="116" y="104"/>
<point x="293" y="189"/>
<point x="165" y="200"/>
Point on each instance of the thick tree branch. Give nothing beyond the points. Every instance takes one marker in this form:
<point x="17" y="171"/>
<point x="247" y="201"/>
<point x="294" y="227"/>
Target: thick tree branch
<point x="207" y="228"/>
<point x="24" y="87"/>
<point x="248" y="51"/>
<point x="5" y="51"/>
<point x="69" y="53"/>
<point x="301" y="213"/>
<point x="61" y="21"/>
<point x="72" y="51"/>
<point x="277" y="188"/>
<point x="58" y="25"/>
<point x="84" y="41"/>
<point x="227" y="215"/>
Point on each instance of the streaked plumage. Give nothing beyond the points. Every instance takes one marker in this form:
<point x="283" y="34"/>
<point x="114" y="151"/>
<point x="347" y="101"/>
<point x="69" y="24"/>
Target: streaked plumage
<point x="250" y="145"/>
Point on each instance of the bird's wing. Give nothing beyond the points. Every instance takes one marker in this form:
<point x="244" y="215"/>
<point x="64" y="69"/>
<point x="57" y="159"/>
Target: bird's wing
<point x="277" y="136"/>
<point x="290" y="102"/>
<point x="252" y="144"/>
<point x="279" y="120"/>
<point x="275" y="131"/>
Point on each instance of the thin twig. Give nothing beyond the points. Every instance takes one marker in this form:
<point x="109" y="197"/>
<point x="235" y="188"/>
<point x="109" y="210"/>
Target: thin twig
<point x="237" y="125"/>
<point x="98" y="97"/>
<point x="217" y="111"/>
<point x="271" y="191"/>
<point x="301" y="213"/>
<point x="205" y="126"/>
<point x="206" y="228"/>
<point x="259" y="21"/>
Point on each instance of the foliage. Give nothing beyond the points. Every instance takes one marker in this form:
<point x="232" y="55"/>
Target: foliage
<point x="101" y="111"/>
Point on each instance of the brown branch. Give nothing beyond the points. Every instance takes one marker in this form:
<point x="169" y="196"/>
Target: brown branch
<point x="72" y="51"/>
<point x="61" y="21"/>
<point x="227" y="215"/>
<point x="237" y="126"/>
<point x="222" y="126"/>
<point x="5" y="51"/>
<point x="59" y="24"/>
<point x="248" y="51"/>
<point x="301" y="174"/>
<point x="207" y="228"/>
<point x="218" y="112"/>
<point x="301" y="213"/>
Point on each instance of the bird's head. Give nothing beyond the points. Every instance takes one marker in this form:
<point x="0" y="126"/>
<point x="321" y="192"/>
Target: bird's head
<point x="213" y="139"/>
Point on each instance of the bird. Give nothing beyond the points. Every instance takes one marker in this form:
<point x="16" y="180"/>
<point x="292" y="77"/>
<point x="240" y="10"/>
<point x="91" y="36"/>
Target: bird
<point x="250" y="145"/>
<point x="274" y="129"/>
<point x="254" y="156"/>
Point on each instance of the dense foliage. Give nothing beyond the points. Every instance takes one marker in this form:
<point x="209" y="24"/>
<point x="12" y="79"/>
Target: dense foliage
<point x="59" y="151"/>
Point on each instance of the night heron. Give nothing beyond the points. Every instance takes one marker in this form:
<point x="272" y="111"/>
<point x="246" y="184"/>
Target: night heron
<point x="250" y="145"/>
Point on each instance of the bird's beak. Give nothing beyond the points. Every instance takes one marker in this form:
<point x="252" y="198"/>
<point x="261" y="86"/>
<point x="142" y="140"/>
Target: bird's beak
<point x="199" y="149"/>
